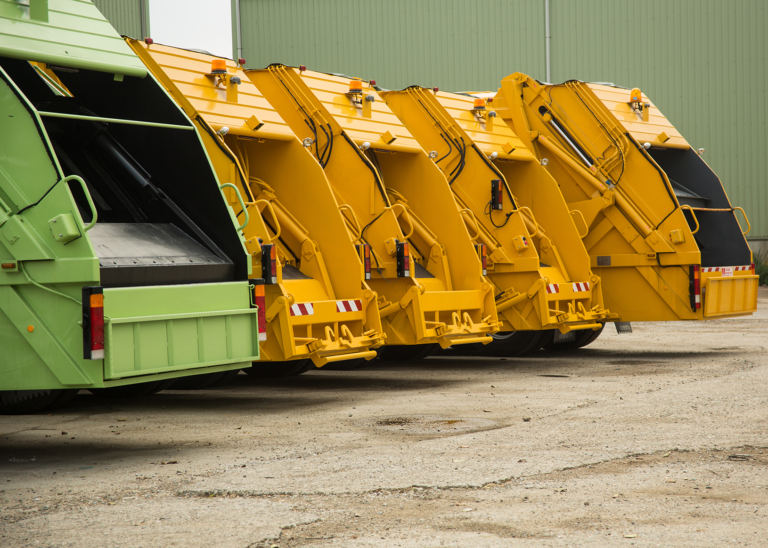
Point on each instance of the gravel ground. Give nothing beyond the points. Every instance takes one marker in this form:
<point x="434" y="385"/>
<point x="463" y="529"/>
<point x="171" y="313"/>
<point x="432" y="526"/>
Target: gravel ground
<point x="659" y="438"/>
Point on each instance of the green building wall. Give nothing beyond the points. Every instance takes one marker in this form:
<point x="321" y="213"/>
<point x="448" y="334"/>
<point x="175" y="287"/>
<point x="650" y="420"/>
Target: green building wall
<point x="702" y="62"/>
<point x="129" y="17"/>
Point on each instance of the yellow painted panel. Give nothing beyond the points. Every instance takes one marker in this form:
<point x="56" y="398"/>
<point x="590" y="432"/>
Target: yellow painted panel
<point x="726" y="296"/>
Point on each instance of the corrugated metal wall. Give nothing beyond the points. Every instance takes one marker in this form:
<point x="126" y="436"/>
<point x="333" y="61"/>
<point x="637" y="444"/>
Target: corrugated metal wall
<point x="702" y="62"/>
<point x="452" y="44"/>
<point x="125" y="15"/>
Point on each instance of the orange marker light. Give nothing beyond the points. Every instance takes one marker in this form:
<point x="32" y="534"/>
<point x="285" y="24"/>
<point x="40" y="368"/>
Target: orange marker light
<point x="218" y="66"/>
<point x="30" y="328"/>
<point x="635" y="96"/>
<point x="479" y="104"/>
<point x="355" y="86"/>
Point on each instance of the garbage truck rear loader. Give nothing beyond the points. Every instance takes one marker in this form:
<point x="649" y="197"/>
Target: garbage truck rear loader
<point x="426" y="271"/>
<point x="658" y="226"/>
<point x="539" y="268"/>
<point x="112" y="279"/>
<point x="318" y="306"/>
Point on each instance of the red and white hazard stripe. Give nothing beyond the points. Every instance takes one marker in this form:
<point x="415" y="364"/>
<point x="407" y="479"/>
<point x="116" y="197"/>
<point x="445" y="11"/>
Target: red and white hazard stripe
<point x="349" y="306"/>
<point x="302" y="309"/>
<point x="719" y="268"/>
<point x="553" y="288"/>
<point x="578" y="287"/>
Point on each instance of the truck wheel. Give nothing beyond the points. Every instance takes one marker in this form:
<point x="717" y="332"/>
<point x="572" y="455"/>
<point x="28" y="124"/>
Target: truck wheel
<point x="277" y="370"/>
<point x="128" y="390"/>
<point x="403" y="353"/>
<point x="512" y="344"/>
<point x="197" y="382"/>
<point x="64" y="397"/>
<point x="347" y="365"/>
<point x="226" y="378"/>
<point x="23" y="402"/>
<point x="564" y="343"/>
<point x="592" y="338"/>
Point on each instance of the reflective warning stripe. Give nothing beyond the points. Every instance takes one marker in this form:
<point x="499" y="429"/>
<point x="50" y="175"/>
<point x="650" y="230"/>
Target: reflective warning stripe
<point x="578" y="287"/>
<point x="719" y="268"/>
<point x="553" y="288"/>
<point x="349" y="306"/>
<point x="302" y="309"/>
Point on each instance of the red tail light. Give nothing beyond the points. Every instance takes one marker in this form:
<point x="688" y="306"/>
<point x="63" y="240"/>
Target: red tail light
<point x="497" y="197"/>
<point x="269" y="264"/>
<point x="403" y="260"/>
<point x="367" y="261"/>
<point x="480" y="248"/>
<point x="695" y="287"/>
<point x="93" y="323"/>
<point x="752" y="268"/>
<point x="260" y="300"/>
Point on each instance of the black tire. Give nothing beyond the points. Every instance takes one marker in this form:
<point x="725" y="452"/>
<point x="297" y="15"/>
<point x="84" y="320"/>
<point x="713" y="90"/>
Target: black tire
<point x="64" y="397"/>
<point x="581" y="338"/>
<point x="512" y="344"/>
<point x="347" y="365"/>
<point x="23" y="402"/>
<point x="278" y="370"/>
<point x="402" y="353"/>
<point x="128" y="391"/>
<point x="164" y="385"/>
<point x="226" y="378"/>
<point x="592" y="338"/>
<point x="197" y="382"/>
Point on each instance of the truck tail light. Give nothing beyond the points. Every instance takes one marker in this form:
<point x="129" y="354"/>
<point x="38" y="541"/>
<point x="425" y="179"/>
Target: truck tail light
<point x="269" y="264"/>
<point x="260" y="300"/>
<point x="695" y="287"/>
<point x="752" y="268"/>
<point x="497" y="198"/>
<point x="365" y="257"/>
<point x="403" y="259"/>
<point x="480" y="248"/>
<point x="93" y="323"/>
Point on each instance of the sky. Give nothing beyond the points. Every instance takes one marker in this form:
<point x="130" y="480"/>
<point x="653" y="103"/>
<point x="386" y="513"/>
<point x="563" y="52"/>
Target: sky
<point x="192" y="24"/>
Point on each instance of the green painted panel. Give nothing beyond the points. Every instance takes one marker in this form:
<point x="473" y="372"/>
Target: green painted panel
<point x="73" y="33"/>
<point x="702" y="62"/>
<point x="27" y="170"/>
<point x="150" y="330"/>
<point x="451" y="44"/>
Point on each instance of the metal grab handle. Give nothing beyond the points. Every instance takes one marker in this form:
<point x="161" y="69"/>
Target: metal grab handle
<point x="532" y="219"/>
<point x="749" y="226"/>
<point x="410" y="221"/>
<point x="242" y="204"/>
<point x="474" y="220"/>
<point x="354" y="218"/>
<point x="268" y="205"/>
<point x="693" y="214"/>
<point x="583" y="220"/>
<point x="94" y="213"/>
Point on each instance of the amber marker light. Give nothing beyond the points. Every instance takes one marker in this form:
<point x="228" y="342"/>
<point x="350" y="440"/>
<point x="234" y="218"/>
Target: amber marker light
<point x="355" y="86"/>
<point x="218" y="66"/>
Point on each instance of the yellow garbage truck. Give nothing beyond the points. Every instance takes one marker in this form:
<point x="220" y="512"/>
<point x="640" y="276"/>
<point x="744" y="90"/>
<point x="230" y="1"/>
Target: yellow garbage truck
<point x="545" y="290"/>
<point x="313" y="283"/>
<point x="657" y="224"/>
<point x="426" y="271"/>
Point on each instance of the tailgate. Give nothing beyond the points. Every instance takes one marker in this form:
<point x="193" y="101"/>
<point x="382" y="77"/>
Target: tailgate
<point x="730" y="296"/>
<point x="161" y="329"/>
